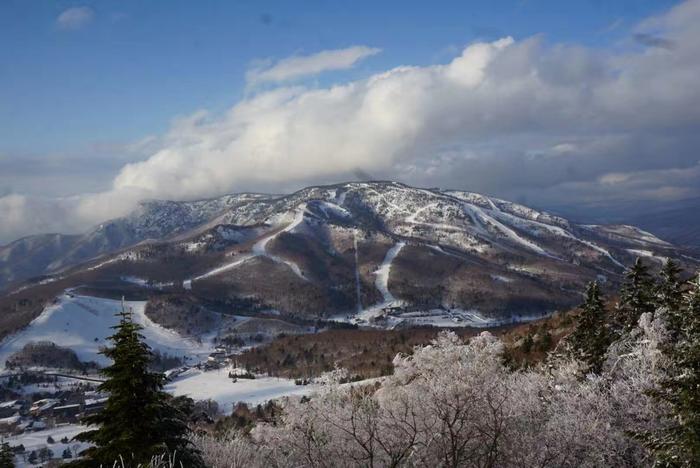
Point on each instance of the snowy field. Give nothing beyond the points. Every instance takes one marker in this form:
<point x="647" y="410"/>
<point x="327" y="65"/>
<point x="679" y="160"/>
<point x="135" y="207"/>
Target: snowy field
<point x="83" y="324"/>
<point x="217" y="386"/>
<point x="37" y="440"/>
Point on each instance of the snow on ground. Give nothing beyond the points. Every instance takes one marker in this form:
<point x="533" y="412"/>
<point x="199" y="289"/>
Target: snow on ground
<point x="37" y="440"/>
<point x="217" y="385"/>
<point x="222" y="268"/>
<point x="260" y="247"/>
<point x="501" y="278"/>
<point x="648" y="254"/>
<point x="331" y="210"/>
<point x="259" y="250"/>
<point x="125" y="256"/>
<point x="83" y="323"/>
<point x="382" y="284"/>
<point x="487" y="221"/>
<point x="382" y="281"/>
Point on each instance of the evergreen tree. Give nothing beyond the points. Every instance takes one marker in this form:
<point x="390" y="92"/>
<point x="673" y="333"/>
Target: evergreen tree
<point x="7" y="457"/>
<point x="679" y="445"/>
<point x="636" y="297"/>
<point x="590" y="340"/>
<point x="137" y="421"/>
<point x="669" y="293"/>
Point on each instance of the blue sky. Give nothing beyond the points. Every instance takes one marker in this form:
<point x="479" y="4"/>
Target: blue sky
<point x="133" y="67"/>
<point x="550" y="103"/>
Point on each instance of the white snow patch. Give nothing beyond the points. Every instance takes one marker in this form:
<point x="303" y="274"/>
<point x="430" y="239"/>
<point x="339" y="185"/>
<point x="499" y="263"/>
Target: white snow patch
<point x="221" y="269"/>
<point x="503" y="279"/>
<point x="218" y="386"/>
<point x="259" y="250"/>
<point x="382" y="280"/>
<point x="83" y="323"/>
<point x="382" y="284"/>
<point x="260" y="247"/>
<point x="648" y="254"/>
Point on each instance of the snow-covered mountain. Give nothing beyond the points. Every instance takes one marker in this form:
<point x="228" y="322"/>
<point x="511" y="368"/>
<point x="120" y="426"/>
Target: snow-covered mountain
<point x="355" y="250"/>
<point x="153" y="220"/>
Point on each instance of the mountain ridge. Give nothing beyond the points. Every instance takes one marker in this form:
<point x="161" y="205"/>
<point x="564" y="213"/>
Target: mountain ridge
<point x="356" y="250"/>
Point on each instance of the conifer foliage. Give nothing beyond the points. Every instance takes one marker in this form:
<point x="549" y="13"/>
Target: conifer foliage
<point x="636" y="297"/>
<point x="679" y="444"/>
<point x="138" y="422"/>
<point x="7" y="458"/>
<point x="669" y="291"/>
<point x="590" y="339"/>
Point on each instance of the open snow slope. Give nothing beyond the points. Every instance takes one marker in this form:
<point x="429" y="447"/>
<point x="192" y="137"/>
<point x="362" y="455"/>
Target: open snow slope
<point x="83" y="324"/>
<point x="382" y="282"/>
<point x="218" y="386"/>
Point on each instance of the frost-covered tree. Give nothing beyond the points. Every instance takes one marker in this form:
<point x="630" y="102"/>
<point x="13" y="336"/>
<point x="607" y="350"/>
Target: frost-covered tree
<point x="591" y="338"/>
<point x="138" y="422"/>
<point x="636" y="297"/>
<point x="455" y="404"/>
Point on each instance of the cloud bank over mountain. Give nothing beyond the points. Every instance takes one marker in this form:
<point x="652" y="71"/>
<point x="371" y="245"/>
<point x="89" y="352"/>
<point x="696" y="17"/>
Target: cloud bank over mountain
<point x="520" y="119"/>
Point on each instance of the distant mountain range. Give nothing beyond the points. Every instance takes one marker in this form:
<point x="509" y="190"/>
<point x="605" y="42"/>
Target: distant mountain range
<point x="677" y="221"/>
<point x="348" y="250"/>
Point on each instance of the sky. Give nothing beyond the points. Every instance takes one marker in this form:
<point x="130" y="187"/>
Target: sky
<point x="103" y="104"/>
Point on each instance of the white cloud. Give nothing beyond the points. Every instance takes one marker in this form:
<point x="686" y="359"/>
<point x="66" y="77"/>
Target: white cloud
<point x="479" y="122"/>
<point x="304" y="65"/>
<point x="75" y="18"/>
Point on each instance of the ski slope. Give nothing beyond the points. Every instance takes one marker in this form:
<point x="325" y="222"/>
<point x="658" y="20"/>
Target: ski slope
<point x="260" y="247"/>
<point x="259" y="250"/>
<point x="382" y="284"/>
<point x="83" y="324"/>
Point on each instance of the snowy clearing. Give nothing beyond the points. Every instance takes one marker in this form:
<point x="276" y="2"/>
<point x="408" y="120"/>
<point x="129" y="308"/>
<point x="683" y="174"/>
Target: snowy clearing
<point x="217" y="385"/>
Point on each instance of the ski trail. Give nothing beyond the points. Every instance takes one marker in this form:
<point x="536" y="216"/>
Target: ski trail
<point x="382" y="284"/>
<point x="259" y="250"/>
<point x="382" y="280"/>
<point x="357" y="273"/>
<point x="598" y="248"/>
<point x="484" y="220"/>
<point x="223" y="268"/>
<point x="564" y="233"/>
<point x="340" y="199"/>
<point x="260" y="247"/>
<point x="412" y="217"/>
